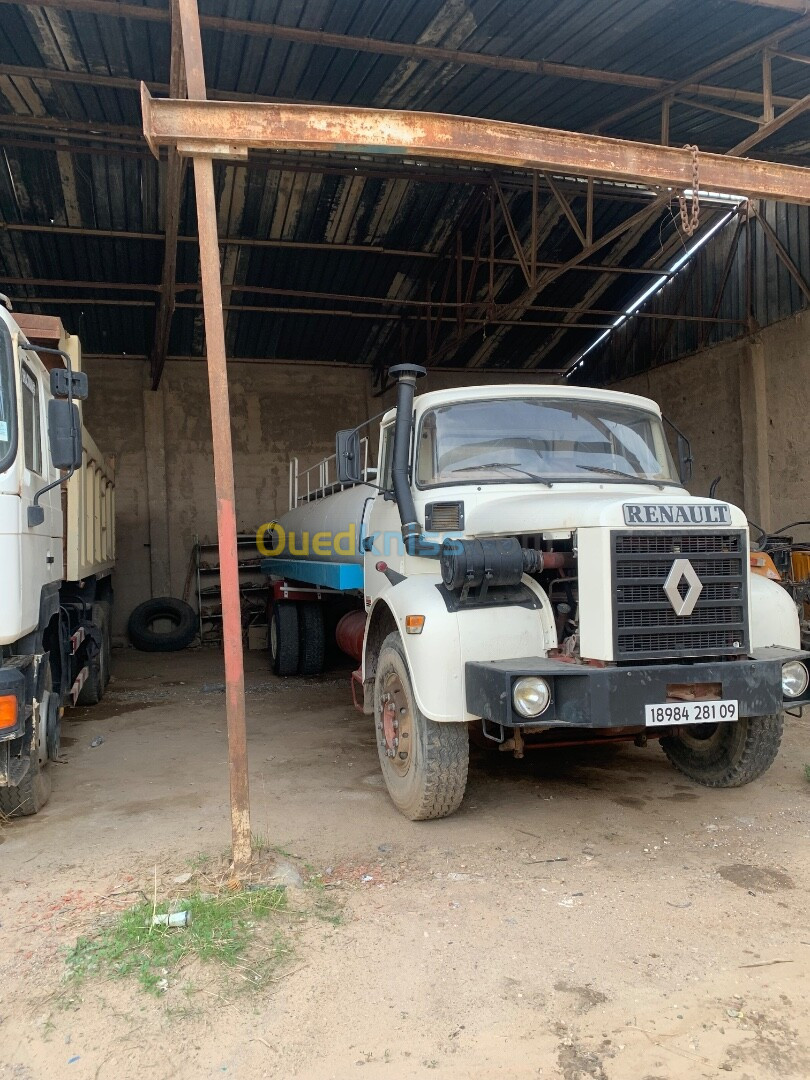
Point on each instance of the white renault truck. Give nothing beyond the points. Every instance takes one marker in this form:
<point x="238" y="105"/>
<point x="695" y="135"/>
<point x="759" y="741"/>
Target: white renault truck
<point x="526" y="560"/>
<point x="57" y="551"/>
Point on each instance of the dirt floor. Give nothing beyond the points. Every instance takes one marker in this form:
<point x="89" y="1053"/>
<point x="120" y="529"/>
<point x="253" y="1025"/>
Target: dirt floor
<point x="584" y="915"/>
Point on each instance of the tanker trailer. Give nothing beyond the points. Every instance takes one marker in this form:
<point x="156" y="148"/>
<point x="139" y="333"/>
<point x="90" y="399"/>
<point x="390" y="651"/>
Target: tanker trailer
<point x="527" y="561"/>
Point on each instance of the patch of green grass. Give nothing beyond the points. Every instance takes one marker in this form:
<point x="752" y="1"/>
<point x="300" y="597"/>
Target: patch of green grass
<point x="222" y="930"/>
<point x="807" y="771"/>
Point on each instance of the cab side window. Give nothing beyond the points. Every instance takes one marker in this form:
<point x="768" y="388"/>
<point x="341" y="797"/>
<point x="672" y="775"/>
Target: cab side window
<point x="386" y="457"/>
<point x="32" y="421"/>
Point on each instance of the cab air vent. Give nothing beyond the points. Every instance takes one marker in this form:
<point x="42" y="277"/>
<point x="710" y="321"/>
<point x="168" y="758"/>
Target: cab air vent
<point x="444" y="517"/>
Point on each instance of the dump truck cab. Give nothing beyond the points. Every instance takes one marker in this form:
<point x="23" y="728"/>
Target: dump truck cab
<point x="57" y="552"/>
<point x="534" y="566"/>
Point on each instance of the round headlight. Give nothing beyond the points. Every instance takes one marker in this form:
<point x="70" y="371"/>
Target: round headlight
<point x="794" y="678"/>
<point x="531" y="696"/>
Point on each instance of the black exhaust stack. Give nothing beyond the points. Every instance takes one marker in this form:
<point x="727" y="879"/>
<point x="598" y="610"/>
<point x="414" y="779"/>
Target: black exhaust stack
<point x="406" y="375"/>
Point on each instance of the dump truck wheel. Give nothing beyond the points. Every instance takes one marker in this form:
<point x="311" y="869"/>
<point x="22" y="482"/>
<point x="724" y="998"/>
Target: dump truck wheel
<point x="424" y="763"/>
<point x="284" y="638"/>
<point x="92" y="690"/>
<point x="311" y="639"/>
<point x="102" y="617"/>
<point x="726" y="755"/>
<point x="29" y="796"/>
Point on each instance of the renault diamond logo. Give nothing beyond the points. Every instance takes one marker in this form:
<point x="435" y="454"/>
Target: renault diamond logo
<point x="682" y="570"/>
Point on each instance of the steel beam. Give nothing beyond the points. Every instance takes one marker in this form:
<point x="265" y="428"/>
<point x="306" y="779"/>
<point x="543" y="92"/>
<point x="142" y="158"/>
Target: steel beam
<point x="305" y="245"/>
<point x="231" y="129"/>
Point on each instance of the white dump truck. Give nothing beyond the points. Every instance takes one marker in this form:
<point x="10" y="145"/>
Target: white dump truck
<point x="527" y="561"/>
<point x="57" y="551"/>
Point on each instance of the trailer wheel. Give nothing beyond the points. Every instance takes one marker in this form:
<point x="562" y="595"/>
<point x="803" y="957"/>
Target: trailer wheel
<point x="311" y="639"/>
<point x="726" y="755"/>
<point x="284" y="638"/>
<point x="424" y="763"/>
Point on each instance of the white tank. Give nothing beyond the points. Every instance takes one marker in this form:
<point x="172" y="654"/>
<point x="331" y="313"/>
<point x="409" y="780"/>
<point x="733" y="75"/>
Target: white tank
<point x="330" y="528"/>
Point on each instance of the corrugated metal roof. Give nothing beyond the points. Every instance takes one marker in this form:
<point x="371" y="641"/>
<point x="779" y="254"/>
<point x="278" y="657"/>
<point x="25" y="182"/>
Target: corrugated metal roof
<point x="101" y="177"/>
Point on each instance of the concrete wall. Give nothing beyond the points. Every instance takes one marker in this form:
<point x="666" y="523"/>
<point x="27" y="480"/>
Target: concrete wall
<point x="745" y="407"/>
<point x="277" y="411"/>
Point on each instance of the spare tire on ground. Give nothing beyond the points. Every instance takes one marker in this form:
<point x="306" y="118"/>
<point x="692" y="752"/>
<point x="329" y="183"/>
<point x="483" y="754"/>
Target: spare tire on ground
<point x="179" y="635"/>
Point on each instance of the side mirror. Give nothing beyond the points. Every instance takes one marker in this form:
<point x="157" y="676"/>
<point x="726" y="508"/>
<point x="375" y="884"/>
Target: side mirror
<point x="64" y="434"/>
<point x="685" y="459"/>
<point x="347" y="455"/>
<point x="69" y="384"/>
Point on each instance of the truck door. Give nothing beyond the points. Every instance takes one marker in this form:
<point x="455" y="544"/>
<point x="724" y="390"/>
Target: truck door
<point x="384" y="527"/>
<point x="41" y="547"/>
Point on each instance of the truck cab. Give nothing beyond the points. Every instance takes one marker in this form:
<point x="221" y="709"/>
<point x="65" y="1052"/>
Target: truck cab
<point x="535" y="570"/>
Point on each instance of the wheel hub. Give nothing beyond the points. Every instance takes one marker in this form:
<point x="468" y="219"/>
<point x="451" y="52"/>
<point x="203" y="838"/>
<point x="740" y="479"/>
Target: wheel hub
<point x="394" y="724"/>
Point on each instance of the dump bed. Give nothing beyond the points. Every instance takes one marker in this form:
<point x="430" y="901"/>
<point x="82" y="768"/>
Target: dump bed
<point x="89" y="508"/>
<point x="88" y="498"/>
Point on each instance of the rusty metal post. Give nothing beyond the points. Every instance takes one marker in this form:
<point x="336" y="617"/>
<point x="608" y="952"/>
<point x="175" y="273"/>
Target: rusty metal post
<point x="226" y="509"/>
<point x="223" y="454"/>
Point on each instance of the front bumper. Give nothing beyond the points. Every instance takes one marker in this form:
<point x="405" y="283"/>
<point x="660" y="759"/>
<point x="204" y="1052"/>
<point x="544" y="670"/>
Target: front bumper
<point x="614" y="697"/>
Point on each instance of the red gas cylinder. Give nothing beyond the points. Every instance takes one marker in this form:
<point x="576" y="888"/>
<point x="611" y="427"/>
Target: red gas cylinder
<point x="349" y="633"/>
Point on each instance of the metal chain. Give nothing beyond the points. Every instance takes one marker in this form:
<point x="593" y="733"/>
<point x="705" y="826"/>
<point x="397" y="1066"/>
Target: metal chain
<point x="690" y="219"/>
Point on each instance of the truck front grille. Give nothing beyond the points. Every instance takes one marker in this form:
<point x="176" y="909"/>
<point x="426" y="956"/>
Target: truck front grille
<point x="645" y="624"/>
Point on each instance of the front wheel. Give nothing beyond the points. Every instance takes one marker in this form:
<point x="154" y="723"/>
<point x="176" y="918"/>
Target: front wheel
<point x="726" y="755"/>
<point x="424" y="763"/>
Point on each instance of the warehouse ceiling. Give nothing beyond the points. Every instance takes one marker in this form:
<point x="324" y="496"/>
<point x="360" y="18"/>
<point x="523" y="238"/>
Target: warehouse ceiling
<point x="350" y="259"/>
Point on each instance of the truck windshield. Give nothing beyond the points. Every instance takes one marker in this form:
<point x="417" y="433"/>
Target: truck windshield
<point x="7" y="403"/>
<point x="524" y="440"/>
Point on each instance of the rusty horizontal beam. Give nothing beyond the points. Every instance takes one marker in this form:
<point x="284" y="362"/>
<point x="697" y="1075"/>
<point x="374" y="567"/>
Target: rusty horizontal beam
<point x="304" y="245"/>
<point x="487" y="313"/>
<point x="406" y="50"/>
<point x="231" y="129"/>
<point x="281" y="360"/>
<point x="331" y="313"/>
<point x="124" y="82"/>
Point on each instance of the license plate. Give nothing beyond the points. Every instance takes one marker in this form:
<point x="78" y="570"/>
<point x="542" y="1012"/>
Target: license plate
<point x="690" y="712"/>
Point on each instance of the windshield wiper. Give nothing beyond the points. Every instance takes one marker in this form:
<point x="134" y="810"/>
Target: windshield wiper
<point x="607" y="471"/>
<point x="504" y="465"/>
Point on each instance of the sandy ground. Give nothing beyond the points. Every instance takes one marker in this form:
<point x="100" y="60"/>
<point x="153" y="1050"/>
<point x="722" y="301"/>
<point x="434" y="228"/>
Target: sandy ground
<point x="583" y="915"/>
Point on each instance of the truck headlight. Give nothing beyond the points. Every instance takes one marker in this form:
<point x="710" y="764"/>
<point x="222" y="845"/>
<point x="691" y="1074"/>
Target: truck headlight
<point x="531" y="696"/>
<point x="794" y="678"/>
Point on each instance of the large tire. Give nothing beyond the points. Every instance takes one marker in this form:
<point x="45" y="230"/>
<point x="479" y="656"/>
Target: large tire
<point x="102" y="616"/>
<point x="311" y="638"/>
<point x="726" y="755"/>
<point x="427" y="776"/>
<point x="29" y="796"/>
<point x="283" y="638"/>
<point x="98" y="675"/>
<point x="181" y="615"/>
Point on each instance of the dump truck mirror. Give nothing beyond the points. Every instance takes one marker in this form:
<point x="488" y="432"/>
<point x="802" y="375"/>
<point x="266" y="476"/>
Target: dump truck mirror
<point x="347" y="455"/>
<point x="685" y="459"/>
<point x="69" y="384"/>
<point x="64" y="434"/>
